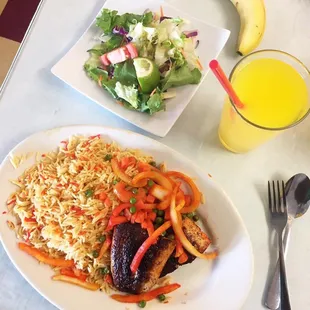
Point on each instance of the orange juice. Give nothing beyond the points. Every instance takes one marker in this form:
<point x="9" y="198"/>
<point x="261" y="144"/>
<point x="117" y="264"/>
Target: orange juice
<point x="275" y="96"/>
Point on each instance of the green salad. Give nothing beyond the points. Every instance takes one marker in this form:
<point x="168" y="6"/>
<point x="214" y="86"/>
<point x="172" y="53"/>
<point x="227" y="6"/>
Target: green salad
<point x="139" y="59"/>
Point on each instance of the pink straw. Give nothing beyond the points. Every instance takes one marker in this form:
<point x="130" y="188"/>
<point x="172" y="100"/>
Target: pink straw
<point x="222" y="78"/>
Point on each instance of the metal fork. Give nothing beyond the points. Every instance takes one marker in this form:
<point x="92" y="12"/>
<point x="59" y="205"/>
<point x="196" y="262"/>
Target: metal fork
<point x="278" y="212"/>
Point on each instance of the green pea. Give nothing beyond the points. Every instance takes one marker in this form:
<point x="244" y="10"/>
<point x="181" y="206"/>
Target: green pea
<point x="196" y="218"/>
<point x="89" y="193"/>
<point x="161" y="297"/>
<point x="102" y="238"/>
<point x="142" y="304"/>
<point x="171" y="237"/>
<point x="160" y="213"/>
<point x="104" y="270"/>
<point x="132" y="200"/>
<point x="159" y="220"/>
<point x="155" y="210"/>
<point x="152" y="163"/>
<point x="150" y="183"/>
<point x="108" y="157"/>
<point x="132" y="210"/>
<point x="134" y="191"/>
<point x="95" y="254"/>
<point x="115" y="182"/>
<point x="190" y="215"/>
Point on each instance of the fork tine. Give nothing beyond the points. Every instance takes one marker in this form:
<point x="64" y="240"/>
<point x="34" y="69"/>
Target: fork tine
<point x="279" y="205"/>
<point x="284" y="198"/>
<point x="274" y="197"/>
<point x="269" y="198"/>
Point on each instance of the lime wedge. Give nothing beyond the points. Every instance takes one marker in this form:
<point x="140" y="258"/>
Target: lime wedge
<point x="147" y="73"/>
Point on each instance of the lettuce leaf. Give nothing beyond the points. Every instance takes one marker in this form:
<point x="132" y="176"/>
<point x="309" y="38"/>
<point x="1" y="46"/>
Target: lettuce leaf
<point x="125" y="73"/>
<point x="109" y="19"/>
<point x="128" y="93"/>
<point x="181" y="76"/>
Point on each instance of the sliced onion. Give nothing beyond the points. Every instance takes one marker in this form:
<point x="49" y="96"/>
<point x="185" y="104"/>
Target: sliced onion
<point x="176" y="221"/>
<point x="192" y="33"/>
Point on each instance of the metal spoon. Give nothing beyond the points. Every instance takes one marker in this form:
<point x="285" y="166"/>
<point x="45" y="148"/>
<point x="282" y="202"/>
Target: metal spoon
<point x="297" y="192"/>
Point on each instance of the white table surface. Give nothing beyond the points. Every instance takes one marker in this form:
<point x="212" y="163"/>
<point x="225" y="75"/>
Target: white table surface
<point x="35" y="100"/>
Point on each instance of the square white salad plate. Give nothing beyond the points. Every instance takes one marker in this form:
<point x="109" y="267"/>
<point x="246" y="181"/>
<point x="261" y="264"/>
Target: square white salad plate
<point x="70" y="67"/>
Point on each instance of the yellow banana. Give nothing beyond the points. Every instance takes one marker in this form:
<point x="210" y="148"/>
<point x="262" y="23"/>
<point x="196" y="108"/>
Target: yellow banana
<point x="252" y="24"/>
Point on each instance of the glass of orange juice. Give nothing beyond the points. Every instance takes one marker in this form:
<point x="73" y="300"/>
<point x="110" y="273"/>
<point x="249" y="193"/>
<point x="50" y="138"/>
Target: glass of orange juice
<point x="274" y="87"/>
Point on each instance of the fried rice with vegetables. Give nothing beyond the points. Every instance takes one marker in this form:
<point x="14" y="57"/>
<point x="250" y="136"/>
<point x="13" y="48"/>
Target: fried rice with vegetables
<point x="64" y="202"/>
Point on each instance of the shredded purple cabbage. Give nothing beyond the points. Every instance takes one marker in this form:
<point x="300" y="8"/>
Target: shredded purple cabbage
<point x="163" y="18"/>
<point x="189" y="34"/>
<point x="120" y="30"/>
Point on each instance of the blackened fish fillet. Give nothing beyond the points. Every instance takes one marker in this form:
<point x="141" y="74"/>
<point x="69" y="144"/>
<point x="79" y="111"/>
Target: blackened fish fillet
<point x="196" y="237"/>
<point x="127" y="238"/>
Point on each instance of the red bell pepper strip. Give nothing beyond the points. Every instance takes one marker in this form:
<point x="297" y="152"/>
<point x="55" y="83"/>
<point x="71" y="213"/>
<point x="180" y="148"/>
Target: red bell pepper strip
<point x="125" y="195"/>
<point x="146" y="245"/>
<point x="115" y="220"/>
<point x="146" y="296"/>
<point x="120" y="208"/>
<point x="127" y="161"/>
<point x="44" y="258"/>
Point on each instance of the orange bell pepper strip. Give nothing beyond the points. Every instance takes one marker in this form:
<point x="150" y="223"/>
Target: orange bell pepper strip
<point x="183" y="258"/>
<point x="123" y="176"/>
<point x="158" y="177"/>
<point x="143" y="167"/>
<point x="73" y="273"/>
<point x="178" y="248"/>
<point x="176" y="220"/>
<point x="105" y="247"/>
<point x="125" y="195"/>
<point x="146" y="245"/>
<point x="146" y="296"/>
<point x="127" y="161"/>
<point x="196" y="193"/>
<point x="120" y="208"/>
<point x="159" y="192"/>
<point x="115" y="220"/>
<point x="44" y="258"/>
<point x="84" y="284"/>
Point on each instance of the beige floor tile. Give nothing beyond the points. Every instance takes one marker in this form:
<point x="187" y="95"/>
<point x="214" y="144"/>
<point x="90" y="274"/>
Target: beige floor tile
<point x="8" y="49"/>
<point x="2" y="5"/>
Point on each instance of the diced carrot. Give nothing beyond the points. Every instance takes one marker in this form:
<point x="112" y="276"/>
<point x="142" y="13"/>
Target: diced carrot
<point x="167" y="214"/>
<point x="152" y="216"/>
<point x="127" y="214"/>
<point x="120" y="208"/>
<point x="139" y="217"/>
<point x="108" y="202"/>
<point x="200" y="67"/>
<point x="140" y="204"/>
<point x="108" y="279"/>
<point x="103" y="196"/>
<point x="150" y="198"/>
<point x="44" y="258"/>
<point x="150" y="227"/>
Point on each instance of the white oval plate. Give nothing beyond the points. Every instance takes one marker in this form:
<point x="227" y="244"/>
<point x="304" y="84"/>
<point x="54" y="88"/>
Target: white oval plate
<point x="221" y="285"/>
